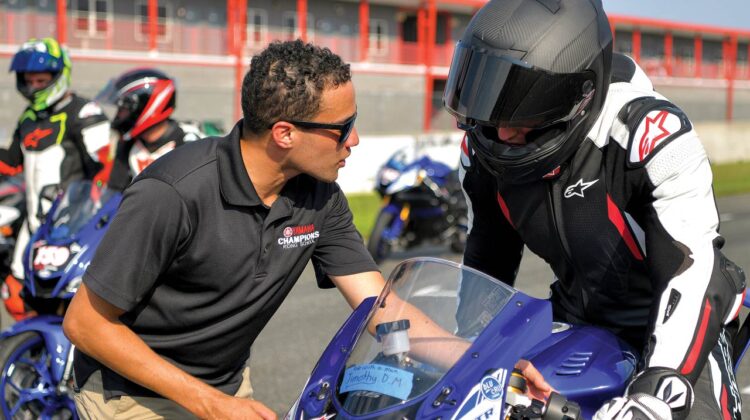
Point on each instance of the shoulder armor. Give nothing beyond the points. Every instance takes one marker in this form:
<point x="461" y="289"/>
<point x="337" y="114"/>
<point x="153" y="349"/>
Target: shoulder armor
<point x="90" y="109"/>
<point x="652" y="124"/>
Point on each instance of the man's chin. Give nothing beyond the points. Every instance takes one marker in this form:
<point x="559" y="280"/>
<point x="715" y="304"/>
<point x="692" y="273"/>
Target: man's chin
<point x="327" y="178"/>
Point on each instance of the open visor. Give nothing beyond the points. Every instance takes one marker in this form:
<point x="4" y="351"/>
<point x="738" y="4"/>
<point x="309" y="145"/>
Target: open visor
<point x="501" y="91"/>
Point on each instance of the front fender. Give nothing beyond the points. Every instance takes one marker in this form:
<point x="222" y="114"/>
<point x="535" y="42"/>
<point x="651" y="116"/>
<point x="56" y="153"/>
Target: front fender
<point x="50" y="328"/>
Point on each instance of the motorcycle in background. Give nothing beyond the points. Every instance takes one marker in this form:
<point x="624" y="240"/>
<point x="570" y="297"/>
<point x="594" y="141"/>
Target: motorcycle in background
<point x="422" y="201"/>
<point x="381" y="371"/>
<point x="12" y="215"/>
<point x="35" y="355"/>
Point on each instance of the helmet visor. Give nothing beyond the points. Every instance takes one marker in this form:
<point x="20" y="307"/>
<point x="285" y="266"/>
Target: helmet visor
<point x="501" y="91"/>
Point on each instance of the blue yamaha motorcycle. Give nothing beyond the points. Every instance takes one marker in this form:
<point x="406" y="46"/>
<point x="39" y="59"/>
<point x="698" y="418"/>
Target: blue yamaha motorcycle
<point x="422" y="201"/>
<point x="35" y="355"/>
<point x="381" y="372"/>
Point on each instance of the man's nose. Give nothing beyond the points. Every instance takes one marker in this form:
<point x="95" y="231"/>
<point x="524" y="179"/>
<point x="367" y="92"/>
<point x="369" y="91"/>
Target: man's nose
<point x="506" y="133"/>
<point x="353" y="139"/>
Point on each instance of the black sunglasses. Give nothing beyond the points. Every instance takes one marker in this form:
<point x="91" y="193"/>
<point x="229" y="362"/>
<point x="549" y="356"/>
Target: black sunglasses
<point x="345" y="127"/>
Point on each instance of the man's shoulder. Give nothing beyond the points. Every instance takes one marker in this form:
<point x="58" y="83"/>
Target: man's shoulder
<point x="652" y="124"/>
<point x="187" y="164"/>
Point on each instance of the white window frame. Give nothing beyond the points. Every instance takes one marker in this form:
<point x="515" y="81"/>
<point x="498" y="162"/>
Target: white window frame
<point x="92" y="18"/>
<point x="373" y="35"/>
<point x="297" y="34"/>
<point x="168" y="21"/>
<point x="251" y="27"/>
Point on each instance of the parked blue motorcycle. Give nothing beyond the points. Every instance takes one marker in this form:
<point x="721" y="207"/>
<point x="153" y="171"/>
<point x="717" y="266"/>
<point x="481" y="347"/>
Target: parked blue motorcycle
<point x="422" y="201"/>
<point x="382" y="372"/>
<point x="35" y="355"/>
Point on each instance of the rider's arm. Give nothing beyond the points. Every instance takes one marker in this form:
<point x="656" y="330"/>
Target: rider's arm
<point x="699" y="289"/>
<point x="11" y="159"/>
<point x="492" y="245"/>
<point x="150" y="227"/>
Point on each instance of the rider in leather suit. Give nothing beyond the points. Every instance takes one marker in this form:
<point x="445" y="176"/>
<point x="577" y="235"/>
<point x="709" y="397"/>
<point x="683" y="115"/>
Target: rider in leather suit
<point x="571" y="152"/>
<point x="60" y="137"/>
<point x="145" y="100"/>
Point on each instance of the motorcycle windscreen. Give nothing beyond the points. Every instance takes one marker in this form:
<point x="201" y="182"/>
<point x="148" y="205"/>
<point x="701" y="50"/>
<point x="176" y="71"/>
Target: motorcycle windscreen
<point x="81" y="201"/>
<point x="424" y="321"/>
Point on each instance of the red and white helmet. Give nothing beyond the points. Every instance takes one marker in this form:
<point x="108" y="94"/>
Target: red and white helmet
<point x="144" y="97"/>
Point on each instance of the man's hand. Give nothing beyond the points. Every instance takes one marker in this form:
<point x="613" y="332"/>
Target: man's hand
<point x="238" y="409"/>
<point x="538" y="388"/>
<point x="635" y="406"/>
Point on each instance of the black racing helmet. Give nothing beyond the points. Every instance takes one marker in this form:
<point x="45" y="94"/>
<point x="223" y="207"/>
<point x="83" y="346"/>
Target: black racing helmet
<point x="539" y="64"/>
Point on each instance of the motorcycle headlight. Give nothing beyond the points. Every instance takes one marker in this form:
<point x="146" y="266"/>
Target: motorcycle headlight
<point x="387" y="175"/>
<point x="406" y="180"/>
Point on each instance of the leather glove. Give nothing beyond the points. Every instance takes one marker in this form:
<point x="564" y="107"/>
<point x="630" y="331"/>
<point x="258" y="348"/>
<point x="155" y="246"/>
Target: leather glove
<point x="657" y="393"/>
<point x="635" y="406"/>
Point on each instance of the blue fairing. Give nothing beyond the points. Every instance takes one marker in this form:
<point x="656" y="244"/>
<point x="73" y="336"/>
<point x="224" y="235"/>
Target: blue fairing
<point x="585" y="364"/>
<point x="86" y="238"/>
<point x="435" y="170"/>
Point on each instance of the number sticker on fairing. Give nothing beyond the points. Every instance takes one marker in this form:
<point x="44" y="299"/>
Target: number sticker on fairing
<point x="51" y="256"/>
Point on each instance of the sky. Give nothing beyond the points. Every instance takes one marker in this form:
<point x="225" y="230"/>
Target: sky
<point x="725" y="13"/>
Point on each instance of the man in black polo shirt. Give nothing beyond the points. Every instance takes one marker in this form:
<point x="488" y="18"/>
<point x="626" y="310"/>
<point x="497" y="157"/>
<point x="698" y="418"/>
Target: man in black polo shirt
<point x="211" y="238"/>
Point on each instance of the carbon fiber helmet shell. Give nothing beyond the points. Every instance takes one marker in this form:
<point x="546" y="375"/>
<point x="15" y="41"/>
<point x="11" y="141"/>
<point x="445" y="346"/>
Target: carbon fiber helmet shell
<point x="42" y="56"/>
<point x="540" y="64"/>
<point x="144" y="97"/>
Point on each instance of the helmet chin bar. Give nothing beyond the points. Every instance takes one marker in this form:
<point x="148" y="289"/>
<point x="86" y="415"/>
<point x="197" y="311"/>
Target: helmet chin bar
<point x="549" y="148"/>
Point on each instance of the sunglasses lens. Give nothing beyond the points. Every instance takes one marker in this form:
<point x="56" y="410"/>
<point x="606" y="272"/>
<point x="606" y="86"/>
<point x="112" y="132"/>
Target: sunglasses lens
<point x="346" y="130"/>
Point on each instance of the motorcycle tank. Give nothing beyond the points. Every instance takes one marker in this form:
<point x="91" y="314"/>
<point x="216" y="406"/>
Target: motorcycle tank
<point x="381" y="364"/>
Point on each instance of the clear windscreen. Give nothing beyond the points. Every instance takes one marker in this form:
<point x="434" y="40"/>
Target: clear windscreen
<point x="80" y="202"/>
<point x="424" y="321"/>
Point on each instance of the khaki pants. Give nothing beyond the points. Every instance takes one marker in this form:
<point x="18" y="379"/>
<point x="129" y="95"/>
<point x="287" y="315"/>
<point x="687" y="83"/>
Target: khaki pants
<point x="91" y="405"/>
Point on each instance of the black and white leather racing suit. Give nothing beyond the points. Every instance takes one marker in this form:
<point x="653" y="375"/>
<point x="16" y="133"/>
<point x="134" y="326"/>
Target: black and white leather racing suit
<point x="629" y="227"/>
<point x="54" y="146"/>
<point x="133" y="156"/>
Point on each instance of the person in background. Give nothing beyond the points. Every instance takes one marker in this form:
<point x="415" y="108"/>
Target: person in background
<point x="571" y="152"/>
<point x="145" y="99"/>
<point x="60" y="137"/>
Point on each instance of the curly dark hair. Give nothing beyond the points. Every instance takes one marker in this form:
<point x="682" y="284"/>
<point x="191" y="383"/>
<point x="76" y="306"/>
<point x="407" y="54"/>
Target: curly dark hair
<point x="285" y="82"/>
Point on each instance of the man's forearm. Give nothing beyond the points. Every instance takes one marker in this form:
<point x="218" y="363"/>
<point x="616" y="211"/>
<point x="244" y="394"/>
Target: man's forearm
<point x="116" y="346"/>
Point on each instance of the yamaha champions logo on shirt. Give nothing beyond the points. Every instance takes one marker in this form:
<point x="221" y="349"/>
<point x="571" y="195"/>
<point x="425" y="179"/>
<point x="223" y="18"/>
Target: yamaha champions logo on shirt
<point x="297" y="236"/>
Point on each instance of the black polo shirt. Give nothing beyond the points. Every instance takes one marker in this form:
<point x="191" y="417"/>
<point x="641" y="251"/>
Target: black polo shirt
<point x="200" y="264"/>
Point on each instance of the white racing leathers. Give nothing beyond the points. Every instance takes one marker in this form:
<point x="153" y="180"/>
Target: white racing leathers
<point x="54" y="146"/>
<point x="630" y="228"/>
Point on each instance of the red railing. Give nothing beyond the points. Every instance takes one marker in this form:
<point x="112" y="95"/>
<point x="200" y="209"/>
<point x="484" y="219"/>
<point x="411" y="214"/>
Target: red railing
<point x="180" y="37"/>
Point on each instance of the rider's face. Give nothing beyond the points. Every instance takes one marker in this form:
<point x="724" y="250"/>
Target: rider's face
<point x="513" y="135"/>
<point x="37" y="81"/>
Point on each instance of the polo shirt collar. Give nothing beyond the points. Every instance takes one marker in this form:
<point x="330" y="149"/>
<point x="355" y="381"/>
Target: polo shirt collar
<point x="234" y="181"/>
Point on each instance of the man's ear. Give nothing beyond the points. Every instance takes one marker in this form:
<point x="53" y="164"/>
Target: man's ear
<point x="282" y="134"/>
